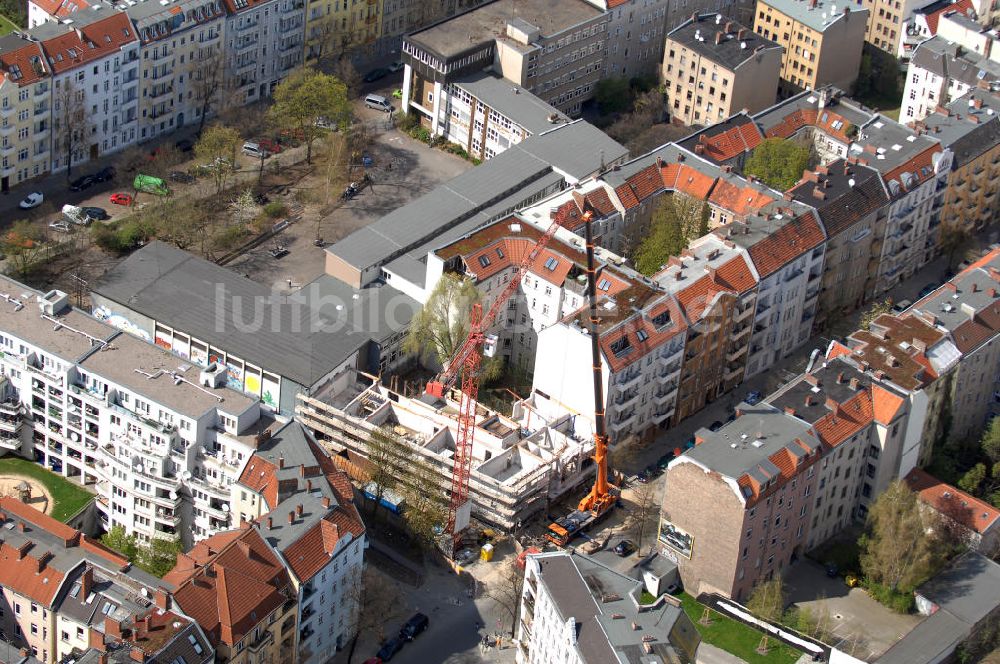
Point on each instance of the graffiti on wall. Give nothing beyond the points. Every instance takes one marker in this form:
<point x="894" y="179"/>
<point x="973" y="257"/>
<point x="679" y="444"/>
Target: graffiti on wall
<point x="120" y="322"/>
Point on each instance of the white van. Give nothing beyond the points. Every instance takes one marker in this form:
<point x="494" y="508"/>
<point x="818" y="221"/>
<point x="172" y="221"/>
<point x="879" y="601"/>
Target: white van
<point x="76" y="215"/>
<point x="378" y="102"/>
<point x="254" y="150"/>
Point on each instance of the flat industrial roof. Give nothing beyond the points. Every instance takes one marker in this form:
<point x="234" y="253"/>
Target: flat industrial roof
<point x="512" y="101"/>
<point x="301" y="336"/>
<point x="487" y="22"/>
<point x="818" y="17"/>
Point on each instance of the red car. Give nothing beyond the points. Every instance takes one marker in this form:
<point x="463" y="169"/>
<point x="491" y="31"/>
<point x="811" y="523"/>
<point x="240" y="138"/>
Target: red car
<point x="269" y="146"/>
<point x="121" y="199"/>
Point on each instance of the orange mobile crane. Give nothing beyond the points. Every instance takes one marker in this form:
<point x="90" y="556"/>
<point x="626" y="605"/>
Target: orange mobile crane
<point x="603" y="495"/>
<point x="466" y="362"/>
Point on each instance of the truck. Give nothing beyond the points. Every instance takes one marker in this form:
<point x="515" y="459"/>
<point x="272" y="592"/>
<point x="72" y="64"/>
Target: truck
<point x="76" y="215"/>
<point x="564" y="529"/>
<point x="150" y="185"/>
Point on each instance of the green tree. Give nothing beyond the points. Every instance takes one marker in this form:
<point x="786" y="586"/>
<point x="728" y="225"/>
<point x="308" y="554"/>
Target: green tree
<point x="990" y="442"/>
<point x="767" y="602"/>
<point x="954" y="241"/>
<point x="24" y="245"/>
<point x="217" y="148"/>
<point x="305" y="97"/>
<point x="384" y="453"/>
<point x="896" y="551"/>
<point x="122" y="542"/>
<point x="973" y="479"/>
<point x="876" y="310"/>
<point x="863" y="86"/>
<point x="675" y="221"/>
<point x="778" y="162"/>
<point x="613" y="95"/>
<point x="159" y="556"/>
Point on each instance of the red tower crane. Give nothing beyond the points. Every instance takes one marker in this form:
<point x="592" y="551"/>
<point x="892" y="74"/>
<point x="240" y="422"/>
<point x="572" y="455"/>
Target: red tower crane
<point x="465" y="362"/>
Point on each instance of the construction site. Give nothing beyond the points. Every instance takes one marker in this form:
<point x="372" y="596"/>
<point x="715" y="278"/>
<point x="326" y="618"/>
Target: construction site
<point x="518" y="465"/>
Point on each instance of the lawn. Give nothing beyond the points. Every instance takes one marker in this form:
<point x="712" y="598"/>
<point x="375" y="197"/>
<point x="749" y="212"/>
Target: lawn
<point x="6" y="26"/>
<point x="68" y="497"/>
<point x="735" y="637"/>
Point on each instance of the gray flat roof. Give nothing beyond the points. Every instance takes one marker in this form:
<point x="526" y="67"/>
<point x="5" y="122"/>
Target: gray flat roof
<point x="487" y="22"/>
<point x="574" y="148"/>
<point x="302" y="336"/>
<point x="969" y="131"/>
<point x="932" y="641"/>
<point x="511" y="100"/>
<point x="821" y="17"/>
<point x="744" y="445"/>
<point x="969" y="588"/>
<point x="731" y="52"/>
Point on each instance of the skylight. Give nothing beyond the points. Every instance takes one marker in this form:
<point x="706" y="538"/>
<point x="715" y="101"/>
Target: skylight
<point x="551" y="264"/>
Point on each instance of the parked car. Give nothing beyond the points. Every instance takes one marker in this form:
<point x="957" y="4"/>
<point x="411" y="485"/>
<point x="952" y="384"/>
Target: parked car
<point x="643" y="477"/>
<point x="278" y="251"/>
<point x="389" y="649"/>
<point x="901" y="306"/>
<point x="373" y="660"/>
<point x="76" y="215"/>
<point x="182" y="177"/>
<point x="106" y="174"/>
<point x="397" y="93"/>
<point x="96" y="213"/>
<point x="61" y="226"/>
<point x="324" y="123"/>
<point x="255" y="151"/>
<point x="753" y="397"/>
<point x="81" y="183"/>
<point x="414" y="627"/>
<point x="396" y="66"/>
<point x="715" y="426"/>
<point x="665" y="460"/>
<point x="184" y="145"/>
<point x="379" y="103"/>
<point x="832" y="570"/>
<point x="624" y="548"/>
<point x="927" y="290"/>
<point x="32" y="200"/>
<point x="376" y="74"/>
<point x="121" y="199"/>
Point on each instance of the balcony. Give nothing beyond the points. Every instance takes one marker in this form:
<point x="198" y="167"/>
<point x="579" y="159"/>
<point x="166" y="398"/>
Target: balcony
<point x="246" y="26"/>
<point x="626" y="398"/>
<point x="623" y="420"/>
<point x="742" y="313"/>
<point x="249" y="42"/>
<point x="629" y="379"/>
<point x="262" y="641"/>
<point x="733" y="372"/>
<point x="157" y="92"/>
<point x="740" y="331"/>
<point x="736" y="353"/>
<point x="665" y="393"/>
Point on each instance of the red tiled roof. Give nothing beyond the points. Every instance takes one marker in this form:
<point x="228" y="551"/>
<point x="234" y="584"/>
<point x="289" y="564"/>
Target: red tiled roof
<point x="923" y="160"/>
<point x="791" y="240"/>
<point x="688" y="180"/>
<point x="24" y="65"/>
<point x="600" y="202"/>
<point x="837" y="349"/>
<point x="885" y="404"/>
<point x="740" y="201"/>
<point x="698" y="296"/>
<point x="259" y="475"/>
<point x="786" y="462"/>
<point x="732" y="142"/>
<point x="954" y="503"/>
<point x="88" y="43"/>
<point x="736" y="275"/>
<point x="311" y="552"/>
<point x="236" y="588"/>
<point x="644" y="323"/>
<point x="20" y="573"/>
<point x="61" y="8"/>
<point x="848" y="419"/>
<point x="963" y="6"/>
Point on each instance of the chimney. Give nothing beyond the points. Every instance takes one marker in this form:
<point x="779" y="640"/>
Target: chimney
<point x="788" y="196"/>
<point x="855" y="383"/>
<point x="812" y="4"/>
<point x="992" y="292"/>
<point x="86" y="583"/>
<point x="699" y="148"/>
<point x="281" y="462"/>
<point x="298" y="510"/>
<point x="112" y="628"/>
<point x="718" y="36"/>
<point x="22" y="550"/>
<point x="809" y="400"/>
<point x="102" y="658"/>
<point x="789" y="410"/>
<point x="975" y="288"/>
<point x="819" y="193"/>
<point x="726" y="168"/>
<point x="302" y="471"/>
<point x="325" y="502"/>
<point x="832" y="404"/>
<point x="20" y="526"/>
<point x="270" y="523"/>
<point x="162" y="599"/>
<point x="741" y="34"/>
<point x="729" y="27"/>
<point x="309" y="485"/>
<point x="977" y="103"/>
<point x="291" y="517"/>
<point x="812" y="379"/>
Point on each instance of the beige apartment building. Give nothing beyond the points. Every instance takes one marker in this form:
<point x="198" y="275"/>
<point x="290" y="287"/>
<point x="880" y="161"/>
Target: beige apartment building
<point x="24" y="111"/>
<point x="822" y="41"/>
<point x="714" y="67"/>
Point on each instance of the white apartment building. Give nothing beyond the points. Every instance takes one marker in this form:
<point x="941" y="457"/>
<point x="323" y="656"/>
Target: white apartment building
<point x="787" y="249"/>
<point x="636" y="32"/>
<point x="575" y="610"/>
<point x="158" y="440"/>
<point x="95" y="82"/>
<point x="174" y="39"/>
<point x="264" y="42"/>
<point x="940" y="71"/>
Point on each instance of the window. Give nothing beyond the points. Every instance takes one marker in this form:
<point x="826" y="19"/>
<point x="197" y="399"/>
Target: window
<point x="641" y="335"/>
<point x="551" y="264"/>
<point x="604" y="285"/>
<point x="484" y="261"/>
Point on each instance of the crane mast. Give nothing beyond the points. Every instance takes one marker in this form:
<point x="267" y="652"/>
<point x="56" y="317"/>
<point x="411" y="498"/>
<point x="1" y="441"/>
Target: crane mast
<point x="465" y="363"/>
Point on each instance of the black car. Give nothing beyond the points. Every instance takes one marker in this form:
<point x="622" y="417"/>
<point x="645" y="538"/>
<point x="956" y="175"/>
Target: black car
<point x="415" y="626"/>
<point x="184" y="145"/>
<point x="96" y="213"/>
<point x="376" y="74"/>
<point x="715" y="426"/>
<point x="927" y="290"/>
<point x="389" y="649"/>
<point x="624" y="548"/>
<point x="82" y="182"/>
<point x="106" y="174"/>
<point x="182" y="177"/>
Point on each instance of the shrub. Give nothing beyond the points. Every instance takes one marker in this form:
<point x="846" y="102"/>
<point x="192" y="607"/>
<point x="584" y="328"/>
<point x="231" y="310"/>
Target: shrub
<point x="898" y="601"/>
<point x="122" y="237"/>
<point x="275" y="209"/>
<point x="229" y="238"/>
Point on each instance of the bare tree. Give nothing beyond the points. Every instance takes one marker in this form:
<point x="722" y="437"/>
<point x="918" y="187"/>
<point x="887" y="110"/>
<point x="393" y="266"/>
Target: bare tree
<point x="767" y="602"/>
<point x="70" y="123"/>
<point x="321" y="36"/>
<point x="644" y="507"/>
<point x="384" y="451"/>
<point x="245" y="208"/>
<point x="426" y="506"/>
<point x="506" y="591"/>
<point x="378" y="603"/>
<point x="207" y="75"/>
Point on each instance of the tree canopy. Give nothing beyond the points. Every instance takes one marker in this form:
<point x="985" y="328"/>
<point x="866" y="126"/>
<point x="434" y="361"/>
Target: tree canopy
<point x="675" y="222"/>
<point x="778" y="162"/>
<point x="24" y="244"/>
<point x="305" y="97"/>
<point x="217" y="148"/>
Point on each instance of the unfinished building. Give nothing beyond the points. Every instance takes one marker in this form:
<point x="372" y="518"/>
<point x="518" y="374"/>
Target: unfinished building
<point x="519" y="464"/>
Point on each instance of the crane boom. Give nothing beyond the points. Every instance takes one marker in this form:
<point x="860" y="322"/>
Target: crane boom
<point x="466" y="362"/>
